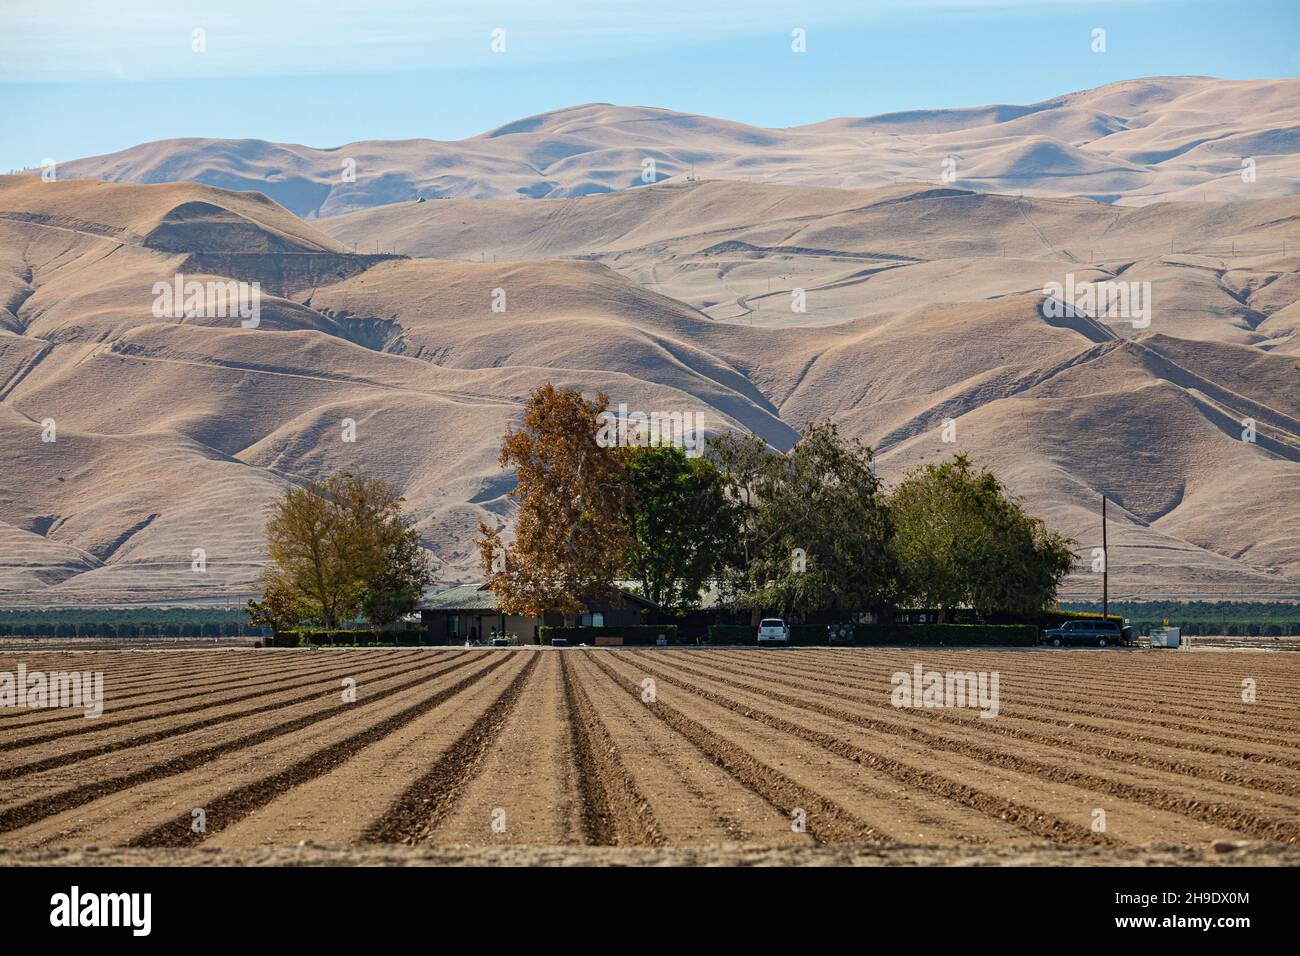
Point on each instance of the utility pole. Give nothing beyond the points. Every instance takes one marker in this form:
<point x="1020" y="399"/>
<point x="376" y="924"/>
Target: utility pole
<point x="1105" y="564"/>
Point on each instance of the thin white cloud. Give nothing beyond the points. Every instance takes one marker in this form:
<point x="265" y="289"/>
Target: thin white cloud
<point x="58" y="40"/>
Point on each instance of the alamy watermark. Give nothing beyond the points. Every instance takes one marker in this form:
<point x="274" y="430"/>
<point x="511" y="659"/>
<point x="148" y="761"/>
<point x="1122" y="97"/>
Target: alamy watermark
<point x="224" y="299"/>
<point x="75" y="908"/>
<point x="927" y="689"/>
<point x="623" y="429"/>
<point x="84" y="689"/>
<point x="1109" y="299"/>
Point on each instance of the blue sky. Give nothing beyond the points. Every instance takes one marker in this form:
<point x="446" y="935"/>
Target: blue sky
<point x="82" y="78"/>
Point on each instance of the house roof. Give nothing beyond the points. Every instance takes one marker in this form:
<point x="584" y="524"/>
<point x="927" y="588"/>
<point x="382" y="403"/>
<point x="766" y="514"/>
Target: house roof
<point x="467" y="597"/>
<point x="477" y="597"/>
<point x="710" y="595"/>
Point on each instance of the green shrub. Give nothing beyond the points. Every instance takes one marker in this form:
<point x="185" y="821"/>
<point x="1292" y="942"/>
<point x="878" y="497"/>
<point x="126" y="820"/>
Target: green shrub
<point x="801" y="635"/>
<point x="322" y="638"/>
<point x="948" y="635"/>
<point x="634" y="634"/>
<point x="733" y="634"/>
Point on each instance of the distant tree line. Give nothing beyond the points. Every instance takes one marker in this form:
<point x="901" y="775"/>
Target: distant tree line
<point x="125" y="622"/>
<point x="1234" y="618"/>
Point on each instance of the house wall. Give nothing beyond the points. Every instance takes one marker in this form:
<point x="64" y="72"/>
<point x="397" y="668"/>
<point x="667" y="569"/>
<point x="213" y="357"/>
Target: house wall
<point x="453" y="627"/>
<point x="621" y="617"/>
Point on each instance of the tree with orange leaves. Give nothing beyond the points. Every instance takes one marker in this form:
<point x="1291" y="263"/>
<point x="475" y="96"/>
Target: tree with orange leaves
<point x="571" y="536"/>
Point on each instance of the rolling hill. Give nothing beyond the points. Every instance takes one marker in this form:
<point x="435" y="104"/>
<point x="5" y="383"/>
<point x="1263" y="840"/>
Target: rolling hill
<point x="1134" y="142"/>
<point x="924" y="305"/>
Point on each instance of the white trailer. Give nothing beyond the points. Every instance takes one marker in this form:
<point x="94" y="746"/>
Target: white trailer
<point x="1165" y="637"/>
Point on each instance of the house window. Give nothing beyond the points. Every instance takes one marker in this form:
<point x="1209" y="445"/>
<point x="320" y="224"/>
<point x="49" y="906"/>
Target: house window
<point x="593" y="620"/>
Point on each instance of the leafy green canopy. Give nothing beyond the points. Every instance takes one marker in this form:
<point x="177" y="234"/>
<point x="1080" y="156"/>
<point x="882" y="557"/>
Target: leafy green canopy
<point x="681" y="521"/>
<point x="962" y="541"/>
<point x="815" y="529"/>
<point x="338" y="548"/>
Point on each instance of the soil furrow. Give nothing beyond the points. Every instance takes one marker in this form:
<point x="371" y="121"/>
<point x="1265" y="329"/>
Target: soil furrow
<point x="239" y="803"/>
<point x="1052" y="690"/>
<point x="826" y="822"/>
<point x="425" y="803"/>
<point x="695" y="800"/>
<point x="25" y="813"/>
<point x="1235" y="817"/>
<point x="112" y="725"/>
<point x="1031" y="820"/>
<point x="527" y="788"/>
<point x="1001" y="728"/>
<point x="614" y="813"/>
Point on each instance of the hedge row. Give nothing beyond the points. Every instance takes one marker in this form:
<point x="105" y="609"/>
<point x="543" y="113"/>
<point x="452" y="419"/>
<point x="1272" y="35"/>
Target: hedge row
<point x="802" y="635"/>
<point x="631" y="633"/>
<point x="1055" y="618"/>
<point x="226" y="629"/>
<point x="951" y="635"/>
<point x="344" y="639"/>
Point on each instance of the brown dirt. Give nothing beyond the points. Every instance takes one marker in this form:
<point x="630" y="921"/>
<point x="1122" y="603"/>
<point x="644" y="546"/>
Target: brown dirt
<point x="528" y="782"/>
<point x="575" y="763"/>
<point x="307" y="854"/>
<point x="999" y="774"/>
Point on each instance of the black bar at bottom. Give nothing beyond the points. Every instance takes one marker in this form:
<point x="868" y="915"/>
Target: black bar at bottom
<point x="913" y="906"/>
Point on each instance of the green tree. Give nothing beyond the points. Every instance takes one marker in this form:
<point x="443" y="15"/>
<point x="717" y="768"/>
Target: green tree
<point x="744" y="462"/>
<point x="816" y="531"/>
<point x="331" y="544"/>
<point x="962" y="540"/>
<point x="280" y="608"/>
<point x="406" y="571"/>
<point x="682" y="523"/>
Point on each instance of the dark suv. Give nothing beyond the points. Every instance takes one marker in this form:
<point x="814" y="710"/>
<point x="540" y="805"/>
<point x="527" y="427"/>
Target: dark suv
<point x="1096" y="633"/>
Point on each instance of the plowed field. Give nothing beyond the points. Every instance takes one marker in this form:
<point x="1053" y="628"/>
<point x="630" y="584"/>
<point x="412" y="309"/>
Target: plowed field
<point x="238" y="749"/>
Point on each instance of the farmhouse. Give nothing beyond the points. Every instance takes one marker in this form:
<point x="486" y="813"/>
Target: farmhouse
<point x="472" y="610"/>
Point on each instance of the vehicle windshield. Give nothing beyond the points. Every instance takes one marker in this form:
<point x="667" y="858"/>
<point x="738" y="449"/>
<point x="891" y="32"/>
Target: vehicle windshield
<point x="772" y="622"/>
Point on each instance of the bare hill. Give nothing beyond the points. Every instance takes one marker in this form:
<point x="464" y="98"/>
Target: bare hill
<point x="1131" y="142"/>
<point x="924" y="308"/>
<point x="737" y="251"/>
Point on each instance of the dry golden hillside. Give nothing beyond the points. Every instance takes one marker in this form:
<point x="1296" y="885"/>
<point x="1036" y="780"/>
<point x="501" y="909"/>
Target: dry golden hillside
<point x="924" y="315"/>
<point x="1132" y="142"/>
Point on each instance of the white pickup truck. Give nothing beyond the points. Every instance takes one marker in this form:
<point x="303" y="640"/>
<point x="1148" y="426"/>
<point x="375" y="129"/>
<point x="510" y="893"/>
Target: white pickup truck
<point x="773" y="630"/>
